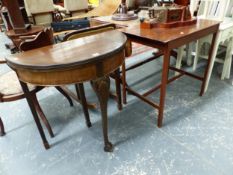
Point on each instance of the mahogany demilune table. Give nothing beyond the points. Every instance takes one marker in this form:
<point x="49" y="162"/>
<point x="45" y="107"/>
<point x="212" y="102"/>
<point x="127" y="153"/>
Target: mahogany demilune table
<point x="90" y="58"/>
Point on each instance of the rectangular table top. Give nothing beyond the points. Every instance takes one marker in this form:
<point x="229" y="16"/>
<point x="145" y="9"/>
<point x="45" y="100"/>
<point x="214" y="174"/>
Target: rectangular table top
<point x="176" y="36"/>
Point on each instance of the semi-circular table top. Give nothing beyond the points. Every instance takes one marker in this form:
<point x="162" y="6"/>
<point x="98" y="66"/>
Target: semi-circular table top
<point x="70" y="53"/>
<point x="70" y="62"/>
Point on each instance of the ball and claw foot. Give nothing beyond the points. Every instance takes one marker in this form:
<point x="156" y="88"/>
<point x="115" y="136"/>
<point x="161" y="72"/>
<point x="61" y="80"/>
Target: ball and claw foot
<point x="108" y="147"/>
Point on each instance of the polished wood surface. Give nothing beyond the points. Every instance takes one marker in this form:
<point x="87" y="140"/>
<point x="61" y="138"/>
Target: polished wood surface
<point x="70" y="53"/>
<point x="166" y="40"/>
<point x="175" y="35"/>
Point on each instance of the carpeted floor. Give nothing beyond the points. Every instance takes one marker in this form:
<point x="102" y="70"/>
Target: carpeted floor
<point x="197" y="136"/>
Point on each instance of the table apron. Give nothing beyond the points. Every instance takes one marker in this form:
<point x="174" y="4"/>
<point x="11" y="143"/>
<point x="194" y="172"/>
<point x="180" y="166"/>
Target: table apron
<point x="71" y="75"/>
<point x="173" y="43"/>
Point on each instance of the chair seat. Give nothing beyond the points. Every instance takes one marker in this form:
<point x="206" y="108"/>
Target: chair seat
<point x="9" y="84"/>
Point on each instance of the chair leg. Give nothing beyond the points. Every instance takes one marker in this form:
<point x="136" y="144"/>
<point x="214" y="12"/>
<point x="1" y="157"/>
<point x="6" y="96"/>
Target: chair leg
<point x="198" y="49"/>
<point x="179" y="58"/>
<point x="227" y="62"/>
<point x="189" y="54"/>
<point x="229" y="68"/>
<point x="42" y="115"/>
<point x="2" y="131"/>
<point x="123" y="77"/>
<point x="81" y="93"/>
<point x="77" y="91"/>
<point x="65" y="95"/>
<point x="230" y="59"/>
<point x="118" y="89"/>
<point x="225" y="68"/>
<point x="214" y="53"/>
<point x="31" y="104"/>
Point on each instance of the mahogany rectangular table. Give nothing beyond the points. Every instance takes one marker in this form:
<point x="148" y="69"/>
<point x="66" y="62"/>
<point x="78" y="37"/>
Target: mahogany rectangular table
<point x="167" y="39"/>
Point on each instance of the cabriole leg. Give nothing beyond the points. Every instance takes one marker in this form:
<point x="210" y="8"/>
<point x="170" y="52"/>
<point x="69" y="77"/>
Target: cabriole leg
<point x="101" y="87"/>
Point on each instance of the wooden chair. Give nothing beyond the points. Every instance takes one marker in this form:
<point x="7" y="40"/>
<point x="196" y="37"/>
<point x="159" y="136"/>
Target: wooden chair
<point x="43" y="12"/>
<point x="76" y="7"/>
<point x="10" y="89"/>
<point x="44" y="38"/>
<point x="214" y="10"/>
<point x="187" y="49"/>
<point x="230" y="10"/>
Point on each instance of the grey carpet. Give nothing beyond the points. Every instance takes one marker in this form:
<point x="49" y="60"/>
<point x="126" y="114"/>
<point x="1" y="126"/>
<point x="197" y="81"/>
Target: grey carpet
<point x="197" y="136"/>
